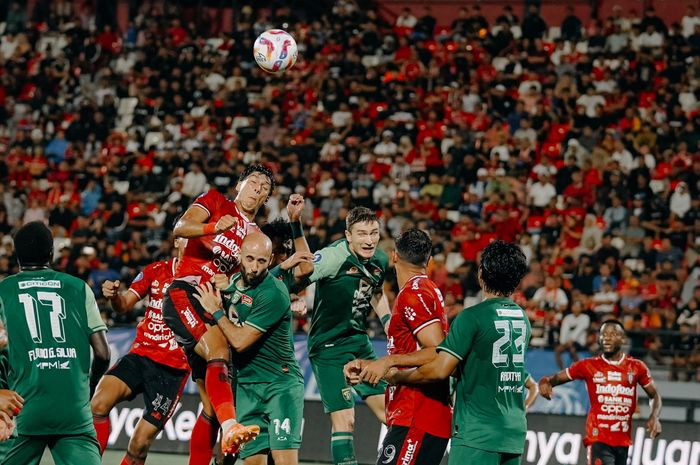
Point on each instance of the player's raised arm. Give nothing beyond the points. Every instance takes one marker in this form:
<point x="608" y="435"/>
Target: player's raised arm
<point x="380" y="303"/>
<point x="121" y="302"/>
<point x="194" y="223"/>
<point x="295" y="208"/>
<point x="547" y="383"/>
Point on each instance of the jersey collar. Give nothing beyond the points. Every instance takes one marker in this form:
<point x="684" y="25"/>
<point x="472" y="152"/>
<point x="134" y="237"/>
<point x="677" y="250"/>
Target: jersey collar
<point x="612" y="362"/>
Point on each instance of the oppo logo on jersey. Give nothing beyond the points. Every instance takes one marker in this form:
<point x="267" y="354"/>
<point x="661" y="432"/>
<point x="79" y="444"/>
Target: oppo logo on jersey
<point x="614" y="409"/>
<point x="614" y="390"/>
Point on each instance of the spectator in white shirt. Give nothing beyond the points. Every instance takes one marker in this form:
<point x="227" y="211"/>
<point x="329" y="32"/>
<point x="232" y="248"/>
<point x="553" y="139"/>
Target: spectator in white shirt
<point x="590" y="101"/>
<point x="551" y="296"/>
<point x="406" y="19"/>
<point x="651" y="38"/>
<point x="541" y="192"/>
<point x="623" y="157"/>
<point x="195" y="181"/>
<point x="689" y="21"/>
<point x="386" y="147"/>
<point x="605" y="299"/>
<point x="573" y="332"/>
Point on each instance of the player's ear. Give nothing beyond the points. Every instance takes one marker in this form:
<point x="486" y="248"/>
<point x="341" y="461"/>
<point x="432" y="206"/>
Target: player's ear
<point x="347" y="235"/>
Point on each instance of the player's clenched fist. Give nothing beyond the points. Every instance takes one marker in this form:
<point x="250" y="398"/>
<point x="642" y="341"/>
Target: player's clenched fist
<point x="220" y="281"/>
<point x="545" y="388"/>
<point x="295" y="207"/>
<point x="225" y="223"/>
<point x="110" y="289"/>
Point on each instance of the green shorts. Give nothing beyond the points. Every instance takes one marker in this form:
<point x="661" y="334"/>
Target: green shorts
<point x="5" y="447"/>
<point x="328" y="364"/>
<point x="66" y="450"/>
<point x="465" y="455"/>
<point x="278" y="408"/>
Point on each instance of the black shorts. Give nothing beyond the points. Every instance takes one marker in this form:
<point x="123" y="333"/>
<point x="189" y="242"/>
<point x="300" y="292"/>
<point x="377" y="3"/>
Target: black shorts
<point x="185" y="316"/>
<point x="161" y="385"/>
<point x="603" y="454"/>
<point x="411" y="446"/>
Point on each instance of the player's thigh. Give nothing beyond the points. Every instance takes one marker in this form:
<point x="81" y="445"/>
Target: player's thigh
<point x="123" y="381"/>
<point x="601" y="454"/>
<point x="411" y="446"/>
<point x="250" y="410"/>
<point x="26" y="450"/>
<point x="335" y="392"/>
<point x="162" y="390"/>
<point x="392" y="445"/>
<point x="464" y="455"/>
<point x="284" y="409"/>
<point x="376" y="404"/>
<point x="74" y="449"/>
<point x="285" y="457"/>
<point x="184" y="315"/>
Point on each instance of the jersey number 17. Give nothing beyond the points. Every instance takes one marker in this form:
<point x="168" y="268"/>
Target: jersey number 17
<point x="56" y="317"/>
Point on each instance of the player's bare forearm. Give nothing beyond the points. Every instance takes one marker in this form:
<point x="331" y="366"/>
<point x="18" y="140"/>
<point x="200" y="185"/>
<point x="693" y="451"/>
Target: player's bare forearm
<point x="414" y="359"/>
<point x="380" y="303"/>
<point x="532" y="391"/>
<point x="100" y="359"/>
<point x="305" y="268"/>
<point x="194" y="224"/>
<point x="653" y="423"/>
<point x="548" y="382"/>
<point x="239" y="337"/>
<point x="124" y="302"/>
<point x="436" y="370"/>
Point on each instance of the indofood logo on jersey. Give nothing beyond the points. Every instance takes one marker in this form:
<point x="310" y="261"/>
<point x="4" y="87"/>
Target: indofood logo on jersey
<point x="225" y="254"/>
<point x="614" y="390"/>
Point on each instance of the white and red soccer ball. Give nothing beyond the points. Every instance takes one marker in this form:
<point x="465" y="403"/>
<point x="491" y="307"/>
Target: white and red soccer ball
<point x="275" y="51"/>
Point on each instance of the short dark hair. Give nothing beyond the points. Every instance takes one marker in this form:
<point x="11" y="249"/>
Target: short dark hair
<point x="33" y="244"/>
<point x="615" y="322"/>
<point x="414" y="246"/>
<point x="258" y="168"/>
<point x="279" y="232"/>
<point x="503" y="266"/>
<point x="359" y="215"/>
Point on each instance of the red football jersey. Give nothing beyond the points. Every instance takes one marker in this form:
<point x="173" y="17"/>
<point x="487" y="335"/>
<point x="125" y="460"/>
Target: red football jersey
<point x="418" y="305"/>
<point x="154" y="339"/>
<point x="612" y="389"/>
<point x="215" y="254"/>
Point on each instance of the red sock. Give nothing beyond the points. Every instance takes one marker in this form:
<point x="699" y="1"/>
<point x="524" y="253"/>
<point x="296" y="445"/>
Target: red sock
<point x="131" y="460"/>
<point x="102" y="429"/>
<point x="218" y="389"/>
<point x="203" y="440"/>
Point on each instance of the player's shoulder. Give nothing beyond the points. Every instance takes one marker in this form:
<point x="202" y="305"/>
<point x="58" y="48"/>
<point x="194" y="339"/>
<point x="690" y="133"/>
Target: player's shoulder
<point x="635" y="362"/>
<point x="274" y="289"/>
<point x="337" y="252"/>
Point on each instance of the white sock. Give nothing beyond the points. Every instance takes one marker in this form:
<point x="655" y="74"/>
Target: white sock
<point x="228" y="423"/>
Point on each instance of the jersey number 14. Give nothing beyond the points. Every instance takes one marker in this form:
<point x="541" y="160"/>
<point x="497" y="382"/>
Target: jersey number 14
<point x="56" y="316"/>
<point x="509" y="329"/>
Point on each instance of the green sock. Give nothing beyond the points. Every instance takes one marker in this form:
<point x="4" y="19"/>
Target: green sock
<point x="343" y="449"/>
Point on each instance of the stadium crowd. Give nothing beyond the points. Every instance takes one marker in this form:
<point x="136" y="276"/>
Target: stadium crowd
<point x="579" y="142"/>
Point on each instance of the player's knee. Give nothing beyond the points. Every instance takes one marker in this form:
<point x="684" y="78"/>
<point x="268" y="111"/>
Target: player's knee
<point x="343" y="420"/>
<point x="99" y="405"/>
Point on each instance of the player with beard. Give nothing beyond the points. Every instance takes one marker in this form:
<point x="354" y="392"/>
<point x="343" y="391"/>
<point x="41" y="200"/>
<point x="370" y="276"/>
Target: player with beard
<point x="155" y="366"/>
<point x="349" y="276"/>
<point x="270" y="386"/>
<point x="611" y="380"/>
<point x="418" y="417"/>
<point x="214" y="227"/>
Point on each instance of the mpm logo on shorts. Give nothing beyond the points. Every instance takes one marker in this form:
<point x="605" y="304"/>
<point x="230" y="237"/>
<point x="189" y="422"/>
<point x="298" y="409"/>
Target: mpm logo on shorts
<point x="347" y="394"/>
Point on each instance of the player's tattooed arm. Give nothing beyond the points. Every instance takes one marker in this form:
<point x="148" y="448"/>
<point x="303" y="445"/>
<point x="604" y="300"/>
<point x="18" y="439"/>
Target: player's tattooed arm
<point x="547" y="383"/>
<point x="653" y="423"/>
<point x="295" y="209"/>
<point x="121" y="302"/>
<point x="194" y="223"/>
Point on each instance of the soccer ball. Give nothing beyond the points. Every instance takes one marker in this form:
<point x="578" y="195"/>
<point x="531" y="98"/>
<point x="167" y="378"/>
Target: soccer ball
<point x="275" y="51"/>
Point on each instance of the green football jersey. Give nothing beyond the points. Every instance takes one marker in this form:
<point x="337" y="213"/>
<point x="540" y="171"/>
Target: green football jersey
<point x="50" y="317"/>
<point x="286" y="277"/>
<point x="344" y="289"/>
<point x="490" y="340"/>
<point x="265" y="308"/>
